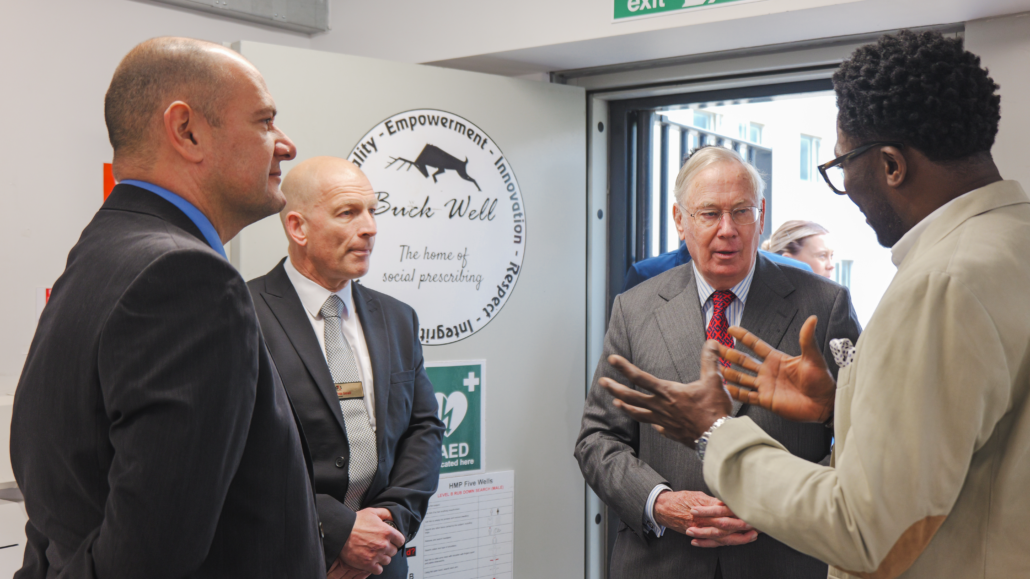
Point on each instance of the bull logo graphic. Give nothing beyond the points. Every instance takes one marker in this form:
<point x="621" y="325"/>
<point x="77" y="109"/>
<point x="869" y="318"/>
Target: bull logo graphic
<point x="433" y="156"/>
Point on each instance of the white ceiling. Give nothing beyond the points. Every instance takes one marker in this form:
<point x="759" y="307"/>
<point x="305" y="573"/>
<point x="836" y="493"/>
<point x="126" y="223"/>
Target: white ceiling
<point x="533" y="36"/>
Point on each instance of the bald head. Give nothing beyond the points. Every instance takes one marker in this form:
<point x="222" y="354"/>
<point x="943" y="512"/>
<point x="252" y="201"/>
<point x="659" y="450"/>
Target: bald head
<point x="307" y="183"/>
<point x="158" y="72"/>
<point x="329" y="220"/>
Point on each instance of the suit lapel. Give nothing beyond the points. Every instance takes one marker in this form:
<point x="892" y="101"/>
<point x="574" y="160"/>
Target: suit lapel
<point x="767" y="312"/>
<point x="285" y="304"/>
<point x="681" y="323"/>
<point x="373" y="325"/>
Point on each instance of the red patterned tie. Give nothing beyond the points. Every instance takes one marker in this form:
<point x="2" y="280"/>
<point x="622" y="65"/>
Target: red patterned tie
<point x="717" y="328"/>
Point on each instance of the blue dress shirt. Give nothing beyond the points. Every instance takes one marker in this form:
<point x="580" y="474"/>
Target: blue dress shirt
<point x="198" y="218"/>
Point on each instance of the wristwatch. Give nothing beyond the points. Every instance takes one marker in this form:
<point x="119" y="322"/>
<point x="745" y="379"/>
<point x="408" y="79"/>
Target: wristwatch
<point x="702" y="443"/>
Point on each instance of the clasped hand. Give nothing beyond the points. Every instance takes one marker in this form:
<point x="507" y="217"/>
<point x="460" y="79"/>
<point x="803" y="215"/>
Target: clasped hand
<point x="369" y="547"/>
<point x="719" y="527"/>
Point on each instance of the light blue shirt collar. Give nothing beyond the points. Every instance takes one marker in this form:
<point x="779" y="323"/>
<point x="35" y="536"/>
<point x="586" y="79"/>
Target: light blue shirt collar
<point x="740" y="291"/>
<point x="198" y="218"/>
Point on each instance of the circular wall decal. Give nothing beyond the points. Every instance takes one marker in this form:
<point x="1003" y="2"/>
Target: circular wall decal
<point x="451" y="222"/>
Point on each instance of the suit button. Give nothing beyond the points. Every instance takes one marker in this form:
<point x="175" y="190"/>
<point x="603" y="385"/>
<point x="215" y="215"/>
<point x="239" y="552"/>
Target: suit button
<point x="340" y="462"/>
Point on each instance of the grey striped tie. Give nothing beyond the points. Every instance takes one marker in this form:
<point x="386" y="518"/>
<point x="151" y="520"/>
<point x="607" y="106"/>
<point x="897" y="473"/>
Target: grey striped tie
<point x="364" y="457"/>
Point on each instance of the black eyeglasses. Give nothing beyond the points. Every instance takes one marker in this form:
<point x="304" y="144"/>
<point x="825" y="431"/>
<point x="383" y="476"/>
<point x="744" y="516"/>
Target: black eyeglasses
<point x="833" y="172"/>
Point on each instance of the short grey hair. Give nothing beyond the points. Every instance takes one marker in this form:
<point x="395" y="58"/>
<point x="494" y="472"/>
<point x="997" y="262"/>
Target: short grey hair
<point x="707" y="156"/>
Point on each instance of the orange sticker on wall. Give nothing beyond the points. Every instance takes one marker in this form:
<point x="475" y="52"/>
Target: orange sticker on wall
<point x="109" y="181"/>
<point x="42" y="297"/>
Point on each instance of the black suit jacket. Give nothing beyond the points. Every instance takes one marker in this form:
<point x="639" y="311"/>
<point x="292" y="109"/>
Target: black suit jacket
<point x="408" y="432"/>
<point x="659" y="326"/>
<point x="151" y="436"/>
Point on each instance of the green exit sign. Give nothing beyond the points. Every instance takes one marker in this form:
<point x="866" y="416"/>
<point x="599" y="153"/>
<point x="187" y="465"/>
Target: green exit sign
<point x="636" y="8"/>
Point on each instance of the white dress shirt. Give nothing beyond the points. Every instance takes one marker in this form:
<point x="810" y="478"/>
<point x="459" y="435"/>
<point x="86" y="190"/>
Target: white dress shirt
<point x="312" y="297"/>
<point x="904" y="245"/>
<point x="734" y="313"/>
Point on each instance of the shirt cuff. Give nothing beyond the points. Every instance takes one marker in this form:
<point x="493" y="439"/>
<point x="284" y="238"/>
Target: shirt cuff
<point x="649" y="522"/>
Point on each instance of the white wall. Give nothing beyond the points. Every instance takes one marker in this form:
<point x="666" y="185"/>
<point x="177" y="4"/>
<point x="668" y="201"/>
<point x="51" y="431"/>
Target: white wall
<point x="545" y="35"/>
<point x="1004" y="48"/>
<point x="58" y="60"/>
<point x="59" y="57"/>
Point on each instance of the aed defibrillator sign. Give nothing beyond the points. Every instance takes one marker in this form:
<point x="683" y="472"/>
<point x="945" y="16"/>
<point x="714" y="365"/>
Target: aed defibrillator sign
<point x="459" y="399"/>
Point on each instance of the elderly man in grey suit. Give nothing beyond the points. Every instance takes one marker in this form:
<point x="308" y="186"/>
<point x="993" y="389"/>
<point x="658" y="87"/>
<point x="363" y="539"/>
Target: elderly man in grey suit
<point x="660" y="326"/>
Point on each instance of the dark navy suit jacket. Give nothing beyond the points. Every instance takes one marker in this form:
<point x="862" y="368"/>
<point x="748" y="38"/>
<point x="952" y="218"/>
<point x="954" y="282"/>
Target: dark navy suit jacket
<point x="408" y="432"/>
<point x="151" y="435"/>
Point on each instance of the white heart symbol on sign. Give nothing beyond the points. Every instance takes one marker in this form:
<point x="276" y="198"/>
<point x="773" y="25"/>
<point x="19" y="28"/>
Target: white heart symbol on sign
<point x="451" y="410"/>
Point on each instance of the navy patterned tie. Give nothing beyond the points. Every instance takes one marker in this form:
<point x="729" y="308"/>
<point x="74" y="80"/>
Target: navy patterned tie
<point x="364" y="457"/>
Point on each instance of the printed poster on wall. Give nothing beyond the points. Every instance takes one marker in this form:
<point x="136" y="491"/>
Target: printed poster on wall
<point x="459" y="400"/>
<point x="469" y="530"/>
<point x="451" y="221"/>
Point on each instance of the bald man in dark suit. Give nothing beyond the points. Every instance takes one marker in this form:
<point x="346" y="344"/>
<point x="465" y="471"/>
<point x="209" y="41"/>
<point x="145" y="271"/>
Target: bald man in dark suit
<point x="151" y="436"/>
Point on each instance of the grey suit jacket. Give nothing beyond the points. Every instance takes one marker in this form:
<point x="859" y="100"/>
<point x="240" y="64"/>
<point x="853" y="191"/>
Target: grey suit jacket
<point x="659" y="326"/>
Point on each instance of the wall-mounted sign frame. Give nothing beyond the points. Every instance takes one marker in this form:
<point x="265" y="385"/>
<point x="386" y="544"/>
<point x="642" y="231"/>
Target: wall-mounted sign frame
<point x="460" y="398"/>
<point x="451" y="218"/>
<point x="468" y="531"/>
<point x="631" y="9"/>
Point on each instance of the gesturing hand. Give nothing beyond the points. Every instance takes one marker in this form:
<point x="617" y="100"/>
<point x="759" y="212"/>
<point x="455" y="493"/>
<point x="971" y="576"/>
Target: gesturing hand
<point x="682" y="412"/>
<point x="798" y="388"/>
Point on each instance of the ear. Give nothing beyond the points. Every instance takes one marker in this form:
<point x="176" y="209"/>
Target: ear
<point x="761" y="218"/>
<point x="677" y="218"/>
<point x="895" y="167"/>
<point x="186" y="131"/>
<point x="296" y="228"/>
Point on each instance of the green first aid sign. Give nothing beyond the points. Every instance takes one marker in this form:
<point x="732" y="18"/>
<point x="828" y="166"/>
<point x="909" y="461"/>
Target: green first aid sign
<point x="636" y="8"/>
<point x="459" y="400"/>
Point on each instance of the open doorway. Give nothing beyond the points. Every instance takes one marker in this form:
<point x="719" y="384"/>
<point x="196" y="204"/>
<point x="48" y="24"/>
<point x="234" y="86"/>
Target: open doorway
<point x="786" y="131"/>
<point x="799" y="133"/>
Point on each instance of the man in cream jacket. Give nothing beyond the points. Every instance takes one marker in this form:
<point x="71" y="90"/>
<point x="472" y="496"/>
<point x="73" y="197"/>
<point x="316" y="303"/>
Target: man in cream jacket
<point x="931" y="469"/>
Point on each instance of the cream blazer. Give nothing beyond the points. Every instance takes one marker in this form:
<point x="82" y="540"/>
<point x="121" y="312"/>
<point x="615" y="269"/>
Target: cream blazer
<point x="930" y="475"/>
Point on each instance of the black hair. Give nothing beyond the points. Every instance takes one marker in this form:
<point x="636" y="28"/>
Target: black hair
<point x="922" y="89"/>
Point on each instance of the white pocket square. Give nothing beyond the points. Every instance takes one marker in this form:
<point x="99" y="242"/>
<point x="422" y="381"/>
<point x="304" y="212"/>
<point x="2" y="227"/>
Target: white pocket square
<point x="843" y="351"/>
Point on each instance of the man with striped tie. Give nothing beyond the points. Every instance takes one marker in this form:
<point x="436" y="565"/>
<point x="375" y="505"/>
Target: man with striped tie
<point x="352" y="363"/>
<point x="652" y="483"/>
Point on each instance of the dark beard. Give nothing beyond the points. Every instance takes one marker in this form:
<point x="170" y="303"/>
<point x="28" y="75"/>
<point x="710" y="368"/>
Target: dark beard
<point x="886" y="223"/>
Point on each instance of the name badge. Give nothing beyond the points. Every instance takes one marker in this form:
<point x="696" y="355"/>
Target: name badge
<point x="349" y="390"/>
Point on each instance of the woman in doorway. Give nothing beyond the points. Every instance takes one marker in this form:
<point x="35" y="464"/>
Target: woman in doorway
<point x="804" y="241"/>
